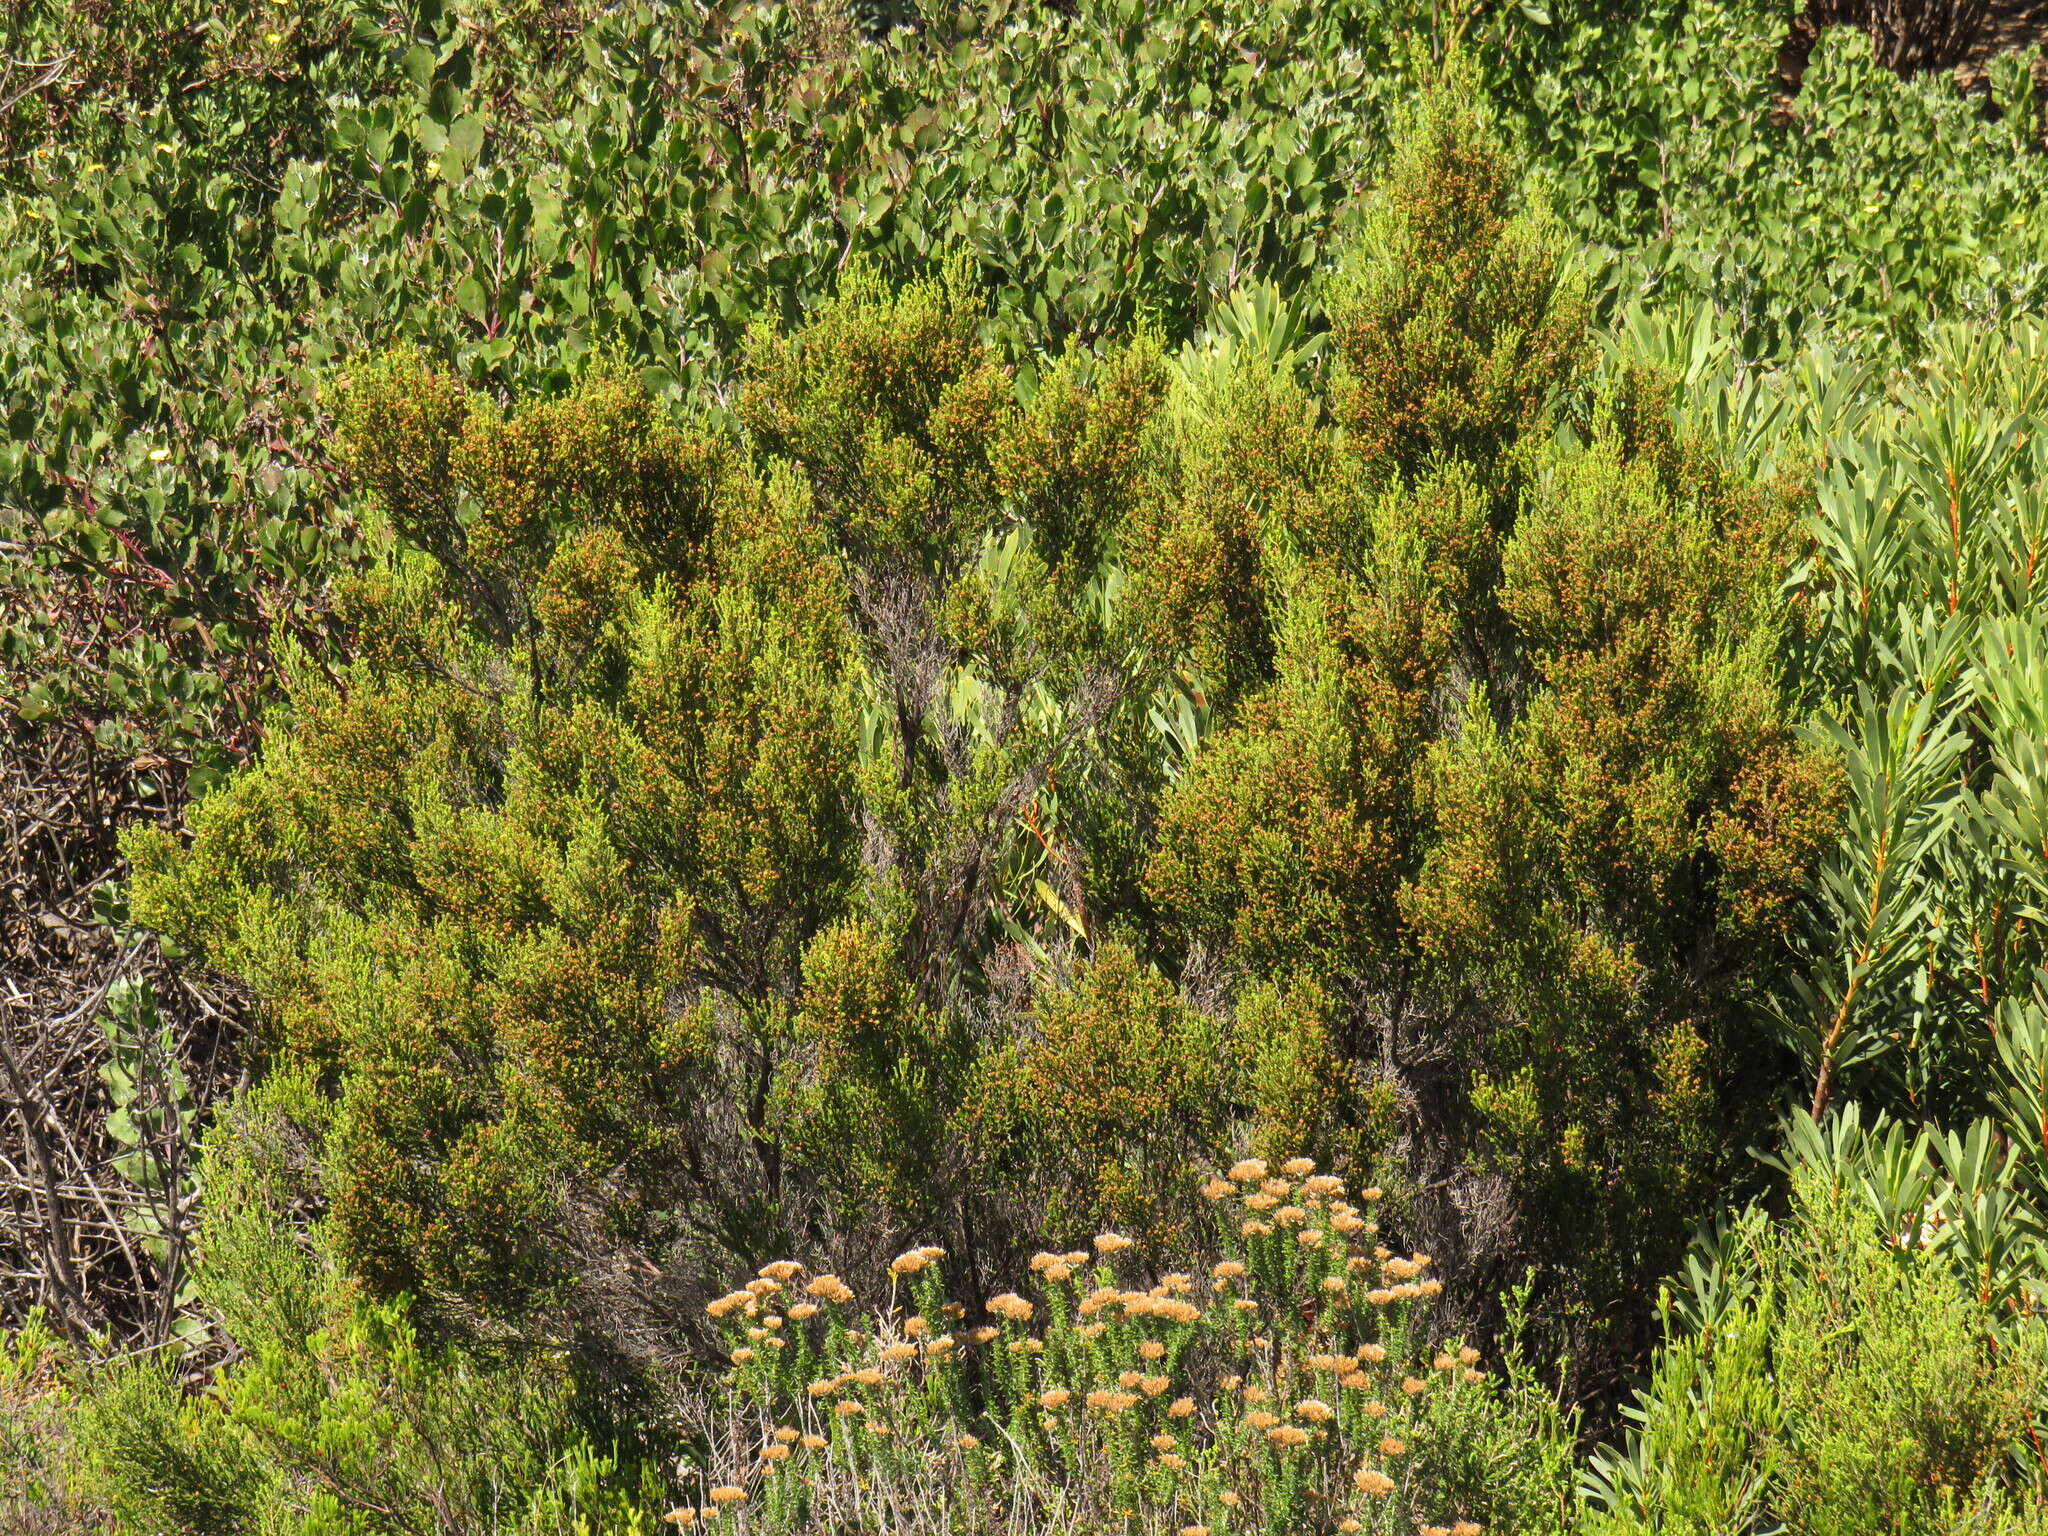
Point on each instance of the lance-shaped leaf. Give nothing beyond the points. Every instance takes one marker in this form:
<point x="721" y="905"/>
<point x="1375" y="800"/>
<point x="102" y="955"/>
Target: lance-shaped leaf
<point x="1900" y="765"/>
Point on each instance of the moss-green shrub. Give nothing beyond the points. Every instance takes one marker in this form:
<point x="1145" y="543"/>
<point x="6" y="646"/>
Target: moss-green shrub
<point x="1833" y="1378"/>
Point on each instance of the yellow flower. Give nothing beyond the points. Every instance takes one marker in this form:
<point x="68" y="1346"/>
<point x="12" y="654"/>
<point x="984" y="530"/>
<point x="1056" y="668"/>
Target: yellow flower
<point x="1165" y="1443"/>
<point x="1111" y="1402"/>
<point x="1129" y="1379"/>
<point x="1371" y="1480"/>
<point x="900" y="1352"/>
<point x="848" y="1408"/>
<point x="1347" y="1525"/>
<point x="1323" y="1185"/>
<point x="1258" y="1418"/>
<point x="1334" y="1284"/>
<point x="1111" y="1242"/>
<point x="785" y="1436"/>
<point x="726" y="1304"/>
<point x="1287" y="1436"/>
<point x="1229" y="1269"/>
<point x="1475" y="1376"/>
<point x="1315" y="1410"/>
<point x="1102" y="1296"/>
<point x="968" y="1443"/>
<point x="803" y="1311"/>
<point x="727" y="1494"/>
<point x="1172" y="1461"/>
<point x="823" y="1387"/>
<point x="1152" y="1386"/>
<point x="1261" y="1201"/>
<point x="1357" y="1381"/>
<point x="742" y="1356"/>
<point x="1043" y="1261"/>
<point x="1413" y="1387"/>
<point x="158" y="455"/>
<point x="876" y="1427"/>
<point x="1465" y="1528"/>
<point x="1151" y="1349"/>
<point x="1181" y="1408"/>
<point x="1298" y="1167"/>
<point x="1373" y="1352"/>
<point x="829" y="1288"/>
<point x="1389" y="1446"/>
<point x="684" y="1516"/>
<point x="1250" y="1171"/>
<point x="908" y="1263"/>
<point x="1218" y="1189"/>
<point x="1255" y="1228"/>
<point x="1011" y="1307"/>
<point x="1228" y="1499"/>
<point x="1309" y="1237"/>
<point x="915" y="1328"/>
<point x="1194" y="1530"/>
<point x="1057" y="1397"/>
<point x="784" y="1270"/>
<point x="1468" y="1356"/>
<point x="775" y="1453"/>
<point x="815" y="1442"/>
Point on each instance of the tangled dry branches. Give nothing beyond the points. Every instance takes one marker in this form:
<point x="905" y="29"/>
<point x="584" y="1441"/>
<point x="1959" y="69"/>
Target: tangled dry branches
<point x="102" y="1252"/>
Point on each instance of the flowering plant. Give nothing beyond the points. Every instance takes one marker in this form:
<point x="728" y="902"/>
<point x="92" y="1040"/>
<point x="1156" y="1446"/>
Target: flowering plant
<point x="1281" y="1391"/>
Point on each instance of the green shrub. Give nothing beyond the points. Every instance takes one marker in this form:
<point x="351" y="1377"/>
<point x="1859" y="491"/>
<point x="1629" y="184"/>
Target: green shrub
<point x="730" y="840"/>
<point x="337" y="1417"/>
<point x="36" y="1409"/>
<point x="1835" y="1379"/>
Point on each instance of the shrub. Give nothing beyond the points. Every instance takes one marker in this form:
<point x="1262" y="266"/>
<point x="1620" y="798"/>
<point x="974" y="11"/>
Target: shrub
<point x="1290" y="1389"/>
<point x="337" y="1416"/>
<point x="1833" y="1378"/>
<point x="35" y="1412"/>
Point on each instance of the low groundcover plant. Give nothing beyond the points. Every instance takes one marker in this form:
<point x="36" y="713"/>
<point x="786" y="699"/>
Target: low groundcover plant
<point x="1285" y="1390"/>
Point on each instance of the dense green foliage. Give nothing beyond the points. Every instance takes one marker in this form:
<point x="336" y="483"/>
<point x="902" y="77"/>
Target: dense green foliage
<point x="650" y="870"/>
<point x="795" y="638"/>
<point x="1830" y="1380"/>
